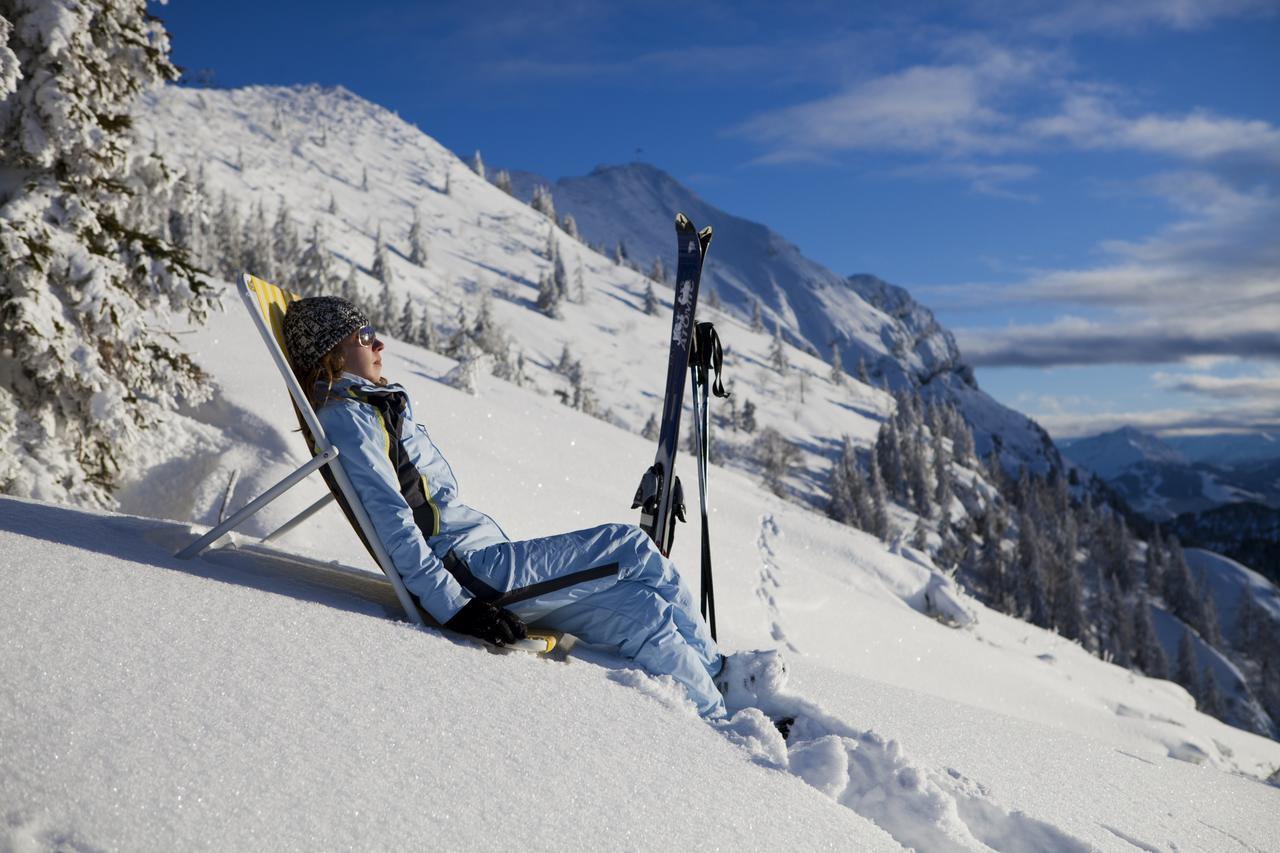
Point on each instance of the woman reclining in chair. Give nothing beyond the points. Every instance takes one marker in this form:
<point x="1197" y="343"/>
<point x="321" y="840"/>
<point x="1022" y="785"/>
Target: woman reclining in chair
<point x="608" y="586"/>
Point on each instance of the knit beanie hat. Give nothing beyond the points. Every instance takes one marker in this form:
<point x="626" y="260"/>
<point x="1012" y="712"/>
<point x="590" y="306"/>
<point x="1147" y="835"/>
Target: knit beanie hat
<point x="315" y="325"/>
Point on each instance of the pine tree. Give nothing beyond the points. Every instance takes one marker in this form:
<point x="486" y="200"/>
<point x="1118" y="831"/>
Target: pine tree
<point x="777" y="456"/>
<point x="844" y="489"/>
<point x="417" y="248"/>
<point x="227" y="236"/>
<point x="579" y="287"/>
<point x="364" y="179"/>
<point x="406" y="327"/>
<point x="757" y="321"/>
<point x="427" y="337"/>
<point x="502" y="181"/>
<point x="570" y="226"/>
<point x="651" y="306"/>
<point x="658" y="271"/>
<point x="84" y="368"/>
<point x="879" y="501"/>
<point x="380" y="269"/>
<point x="1030" y="590"/>
<point x="257" y="256"/>
<point x="559" y="277"/>
<point x="548" y="301"/>
<point x="477" y="163"/>
<point x="543" y="203"/>
<point x="748" y="416"/>
<point x="314" y="274"/>
<point x="351" y="287"/>
<point x="1147" y="655"/>
<point x="1210" y="699"/>
<point x="333" y="205"/>
<point x="1188" y="670"/>
<point x="778" y="352"/>
<point x="837" y="368"/>
<point x="650" y="430"/>
<point x="284" y="243"/>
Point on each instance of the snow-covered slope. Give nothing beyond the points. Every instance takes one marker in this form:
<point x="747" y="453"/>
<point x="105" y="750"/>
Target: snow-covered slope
<point x="869" y="319"/>
<point x="244" y="700"/>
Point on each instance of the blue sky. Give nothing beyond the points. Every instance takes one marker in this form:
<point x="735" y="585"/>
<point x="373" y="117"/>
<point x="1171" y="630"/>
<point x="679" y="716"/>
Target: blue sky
<point x="1087" y="193"/>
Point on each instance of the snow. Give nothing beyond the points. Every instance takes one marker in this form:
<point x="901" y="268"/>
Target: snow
<point x="254" y="699"/>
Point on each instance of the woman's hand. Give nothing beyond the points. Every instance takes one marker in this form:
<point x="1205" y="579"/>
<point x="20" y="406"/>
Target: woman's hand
<point x="492" y="624"/>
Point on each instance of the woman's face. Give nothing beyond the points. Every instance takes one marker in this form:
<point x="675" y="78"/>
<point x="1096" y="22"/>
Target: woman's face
<point x="365" y="361"/>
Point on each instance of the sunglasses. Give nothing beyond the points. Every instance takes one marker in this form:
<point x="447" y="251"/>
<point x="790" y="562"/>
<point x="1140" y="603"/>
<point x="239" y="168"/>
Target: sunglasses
<point x="366" y="335"/>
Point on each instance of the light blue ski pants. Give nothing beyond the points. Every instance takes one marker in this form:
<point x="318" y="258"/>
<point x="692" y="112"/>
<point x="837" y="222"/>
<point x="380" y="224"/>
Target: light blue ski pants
<point x="608" y="586"/>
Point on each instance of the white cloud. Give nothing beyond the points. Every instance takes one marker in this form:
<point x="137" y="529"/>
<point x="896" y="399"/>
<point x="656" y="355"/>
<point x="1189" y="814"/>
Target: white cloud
<point x="1261" y="416"/>
<point x="1083" y="16"/>
<point x="1221" y="387"/>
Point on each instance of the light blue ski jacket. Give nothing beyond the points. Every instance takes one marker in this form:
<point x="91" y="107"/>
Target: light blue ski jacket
<point x="381" y="445"/>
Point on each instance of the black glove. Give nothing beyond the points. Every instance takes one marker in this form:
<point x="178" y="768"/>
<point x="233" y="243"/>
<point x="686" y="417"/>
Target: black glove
<point x="492" y="624"/>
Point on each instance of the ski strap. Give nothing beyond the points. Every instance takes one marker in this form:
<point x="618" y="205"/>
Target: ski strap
<point x="708" y="355"/>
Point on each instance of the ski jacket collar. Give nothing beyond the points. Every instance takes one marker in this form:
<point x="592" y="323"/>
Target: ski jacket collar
<point x="349" y="384"/>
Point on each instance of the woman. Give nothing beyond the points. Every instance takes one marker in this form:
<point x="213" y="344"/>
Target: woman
<point x="607" y="586"/>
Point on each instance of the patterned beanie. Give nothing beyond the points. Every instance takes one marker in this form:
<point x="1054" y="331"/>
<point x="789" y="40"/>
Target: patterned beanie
<point x="317" y="324"/>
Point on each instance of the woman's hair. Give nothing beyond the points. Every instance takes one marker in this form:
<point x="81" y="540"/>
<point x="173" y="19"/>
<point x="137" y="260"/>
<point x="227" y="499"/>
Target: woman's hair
<point x="327" y="370"/>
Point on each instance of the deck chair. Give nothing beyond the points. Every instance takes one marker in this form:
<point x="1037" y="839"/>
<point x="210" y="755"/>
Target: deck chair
<point x="267" y="305"/>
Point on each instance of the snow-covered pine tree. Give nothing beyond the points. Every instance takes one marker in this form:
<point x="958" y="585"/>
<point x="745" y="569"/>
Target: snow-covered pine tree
<point x="776" y="456"/>
<point x="879" y="501"/>
<point x="315" y="274"/>
<point x="380" y="269"/>
<point x="543" y="203"/>
<point x="570" y="226"/>
<point x="579" y="286"/>
<point x="333" y="205"/>
<point x="502" y="181"/>
<point x="650" y="430"/>
<point x="748" y="416"/>
<point x="862" y="375"/>
<point x="651" y="306"/>
<point x="1029" y="589"/>
<point x="844" y="490"/>
<point x="757" y="319"/>
<point x="407" y="327"/>
<point x="1147" y="654"/>
<point x="227" y="237"/>
<point x="83" y="369"/>
<point x="364" y="179"/>
<point x="284" y="244"/>
<point x="351" y="287"/>
<point x="426" y="329"/>
<point x="559" y="276"/>
<point x="417" y="248"/>
<point x="256" y="255"/>
<point x="548" y="301"/>
<point x="1187" y="670"/>
<point x="778" y="352"/>
<point x="837" y="368"/>
<point x="1210" y="698"/>
<point x="658" y="270"/>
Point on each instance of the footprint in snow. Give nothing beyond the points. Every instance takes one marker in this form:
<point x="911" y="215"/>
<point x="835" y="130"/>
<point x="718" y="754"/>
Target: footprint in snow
<point x="874" y="777"/>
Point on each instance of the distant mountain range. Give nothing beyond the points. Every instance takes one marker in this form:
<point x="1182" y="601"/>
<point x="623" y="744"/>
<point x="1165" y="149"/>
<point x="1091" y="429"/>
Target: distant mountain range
<point x="1164" y="478"/>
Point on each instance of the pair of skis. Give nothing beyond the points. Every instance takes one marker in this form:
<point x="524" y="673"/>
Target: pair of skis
<point x="694" y="347"/>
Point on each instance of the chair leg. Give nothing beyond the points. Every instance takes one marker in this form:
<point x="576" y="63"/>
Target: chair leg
<point x="196" y="547"/>
<point x="298" y="519"/>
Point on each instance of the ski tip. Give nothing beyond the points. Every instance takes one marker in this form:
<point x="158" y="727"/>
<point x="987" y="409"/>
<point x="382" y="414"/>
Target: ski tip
<point x="705" y="235"/>
<point x="682" y="221"/>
